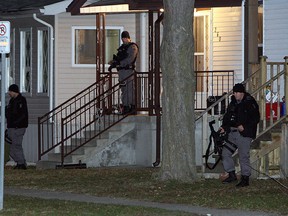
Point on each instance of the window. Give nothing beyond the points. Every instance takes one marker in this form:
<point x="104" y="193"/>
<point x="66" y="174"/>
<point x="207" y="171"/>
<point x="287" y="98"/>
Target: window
<point x="43" y="61"/>
<point x="84" y="44"/>
<point x="25" y="60"/>
<point x="11" y="61"/>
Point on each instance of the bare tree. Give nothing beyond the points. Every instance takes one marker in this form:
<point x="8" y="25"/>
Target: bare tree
<point x="177" y="57"/>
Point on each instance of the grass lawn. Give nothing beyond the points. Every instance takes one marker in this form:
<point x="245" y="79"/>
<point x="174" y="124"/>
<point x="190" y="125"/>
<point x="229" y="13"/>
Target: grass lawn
<point x="140" y="184"/>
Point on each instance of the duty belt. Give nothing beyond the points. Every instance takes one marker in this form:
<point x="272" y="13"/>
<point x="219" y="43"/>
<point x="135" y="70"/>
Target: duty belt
<point x="128" y="67"/>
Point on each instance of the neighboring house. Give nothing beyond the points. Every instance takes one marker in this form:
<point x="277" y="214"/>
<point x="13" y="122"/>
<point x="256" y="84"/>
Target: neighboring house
<point x="275" y="29"/>
<point x="71" y="66"/>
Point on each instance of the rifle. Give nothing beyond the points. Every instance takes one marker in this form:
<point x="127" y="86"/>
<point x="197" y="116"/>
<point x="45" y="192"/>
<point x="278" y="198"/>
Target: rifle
<point x="219" y="141"/>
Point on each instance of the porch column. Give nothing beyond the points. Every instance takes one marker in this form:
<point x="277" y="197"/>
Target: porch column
<point x="263" y="78"/>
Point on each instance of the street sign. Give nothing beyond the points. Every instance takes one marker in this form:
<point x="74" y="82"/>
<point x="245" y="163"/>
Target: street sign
<point x="4" y="37"/>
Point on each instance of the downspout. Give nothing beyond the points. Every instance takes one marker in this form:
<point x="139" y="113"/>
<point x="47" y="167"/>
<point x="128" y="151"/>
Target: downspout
<point x="157" y="90"/>
<point x="51" y="74"/>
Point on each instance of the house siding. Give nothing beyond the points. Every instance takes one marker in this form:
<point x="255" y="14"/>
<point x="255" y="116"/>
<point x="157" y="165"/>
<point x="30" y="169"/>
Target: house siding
<point x="275" y="21"/>
<point x="70" y="80"/>
<point x="227" y="40"/>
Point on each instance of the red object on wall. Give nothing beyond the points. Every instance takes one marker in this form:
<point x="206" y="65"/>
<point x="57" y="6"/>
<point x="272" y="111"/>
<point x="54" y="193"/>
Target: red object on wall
<point x="274" y="110"/>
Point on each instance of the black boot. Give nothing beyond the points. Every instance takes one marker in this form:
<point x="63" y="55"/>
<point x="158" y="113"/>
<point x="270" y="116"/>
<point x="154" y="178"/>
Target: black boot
<point x="132" y="109"/>
<point x="231" y="178"/>
<point x="125" y="110"/>
<point x="21" y="166"/>
<point x="244" y="182"/>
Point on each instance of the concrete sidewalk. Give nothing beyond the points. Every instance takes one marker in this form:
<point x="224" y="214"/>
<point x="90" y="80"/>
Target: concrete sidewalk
<point x="197" y="211"/>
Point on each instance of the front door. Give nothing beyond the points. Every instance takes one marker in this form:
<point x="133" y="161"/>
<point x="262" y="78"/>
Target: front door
<point x="201" y="56"/>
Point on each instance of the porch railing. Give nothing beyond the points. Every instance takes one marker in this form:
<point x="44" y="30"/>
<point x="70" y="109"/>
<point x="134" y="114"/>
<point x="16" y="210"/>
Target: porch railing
<point x="211" y="85"/>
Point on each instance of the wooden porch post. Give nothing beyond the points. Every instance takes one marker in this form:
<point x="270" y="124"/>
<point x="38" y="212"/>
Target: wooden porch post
<point x="250" y="36"/>
<point x="263" y="78"/>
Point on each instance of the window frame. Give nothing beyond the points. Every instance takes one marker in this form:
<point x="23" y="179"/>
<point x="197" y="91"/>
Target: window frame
<point x="120" y="28"/>
<point x="23" y="61"/>
<point x="40" y="58"/>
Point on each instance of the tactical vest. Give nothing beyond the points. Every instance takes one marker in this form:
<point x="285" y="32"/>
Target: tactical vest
<point x="122" y="52"/>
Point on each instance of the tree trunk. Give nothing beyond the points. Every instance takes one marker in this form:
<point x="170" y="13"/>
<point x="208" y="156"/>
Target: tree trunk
<point x="177" y="59"/>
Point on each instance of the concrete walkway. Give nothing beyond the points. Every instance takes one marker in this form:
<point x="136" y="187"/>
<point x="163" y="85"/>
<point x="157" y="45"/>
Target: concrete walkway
<point x="42" y="194"/>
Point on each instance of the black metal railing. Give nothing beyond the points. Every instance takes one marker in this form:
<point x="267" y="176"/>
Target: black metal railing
<point x="211" y="85"/>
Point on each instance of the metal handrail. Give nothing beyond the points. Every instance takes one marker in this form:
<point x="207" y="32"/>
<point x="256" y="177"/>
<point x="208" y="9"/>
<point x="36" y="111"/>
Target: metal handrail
<point x="48" y="124"/>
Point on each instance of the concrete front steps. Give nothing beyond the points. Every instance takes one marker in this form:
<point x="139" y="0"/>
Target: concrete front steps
<point x="130" y="142"/>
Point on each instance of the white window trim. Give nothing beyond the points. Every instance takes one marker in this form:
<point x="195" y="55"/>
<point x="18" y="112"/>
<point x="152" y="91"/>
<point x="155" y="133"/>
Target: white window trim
<point x="23" y="60"/>
<point x="121" y="28"/>
<point x="40" y="59"/>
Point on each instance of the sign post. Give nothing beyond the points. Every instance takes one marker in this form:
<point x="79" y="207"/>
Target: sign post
<point x="4" y="48"/>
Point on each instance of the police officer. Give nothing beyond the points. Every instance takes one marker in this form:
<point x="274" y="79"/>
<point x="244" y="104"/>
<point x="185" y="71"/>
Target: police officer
<point x="240" y="121"/>
<point x="17" y="122"/>
<point x="124" y="62"/>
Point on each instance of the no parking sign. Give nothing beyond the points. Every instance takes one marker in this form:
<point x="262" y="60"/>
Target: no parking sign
<point x="4" y="37"/>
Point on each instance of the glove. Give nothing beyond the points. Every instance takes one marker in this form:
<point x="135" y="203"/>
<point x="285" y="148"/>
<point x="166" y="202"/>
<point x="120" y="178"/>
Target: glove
<point x="115" y="58"/>
<point x="110" y="68"/>
<point x="113" y="64"/>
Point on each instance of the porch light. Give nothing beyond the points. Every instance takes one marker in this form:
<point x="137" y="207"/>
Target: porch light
<point x="105" y="9"/>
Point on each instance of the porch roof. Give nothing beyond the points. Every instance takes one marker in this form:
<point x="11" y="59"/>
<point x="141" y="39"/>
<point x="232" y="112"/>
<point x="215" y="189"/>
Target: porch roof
<point x="152" y="5"/>
<point x="22" y="7"/>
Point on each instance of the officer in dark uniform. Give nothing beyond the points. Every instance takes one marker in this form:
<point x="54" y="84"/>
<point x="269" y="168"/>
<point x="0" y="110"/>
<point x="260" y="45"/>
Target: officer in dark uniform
<point x="124" y="62"/>
<point x="240" y="121"/>
<point x="17" y="121"/>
